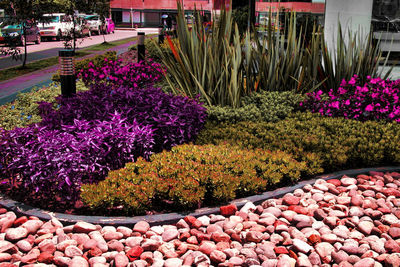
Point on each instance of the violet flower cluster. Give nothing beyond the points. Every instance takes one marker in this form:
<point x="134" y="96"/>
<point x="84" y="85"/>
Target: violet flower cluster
<point x="377" y="99"/>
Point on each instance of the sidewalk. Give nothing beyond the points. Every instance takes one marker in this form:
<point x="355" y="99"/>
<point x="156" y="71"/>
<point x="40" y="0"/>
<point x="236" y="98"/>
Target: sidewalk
<point x="9" y="89"/>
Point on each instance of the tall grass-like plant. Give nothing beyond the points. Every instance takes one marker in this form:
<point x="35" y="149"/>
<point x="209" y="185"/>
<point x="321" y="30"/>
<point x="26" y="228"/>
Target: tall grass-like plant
<point x="207" y="63"/>
<point x="222" y="66"/>
<point x="279" y="57"/>
<point x="351" y="56"/>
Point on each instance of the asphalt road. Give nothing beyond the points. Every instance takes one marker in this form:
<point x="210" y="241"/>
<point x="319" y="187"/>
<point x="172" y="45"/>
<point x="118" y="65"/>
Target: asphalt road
<point x="50" y="48"/>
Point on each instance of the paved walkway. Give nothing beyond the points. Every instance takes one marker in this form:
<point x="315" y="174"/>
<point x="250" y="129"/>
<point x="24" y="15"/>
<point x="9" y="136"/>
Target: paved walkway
<point x="9" y="89"/>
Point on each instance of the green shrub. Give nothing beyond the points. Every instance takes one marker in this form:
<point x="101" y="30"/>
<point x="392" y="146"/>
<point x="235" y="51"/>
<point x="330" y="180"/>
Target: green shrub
<point x="326" y="144"/>
<point x="98" y="61"/>
<point x="189" y="176"/>
<point x="263" y="106"/>
<point x="24" y="110"/>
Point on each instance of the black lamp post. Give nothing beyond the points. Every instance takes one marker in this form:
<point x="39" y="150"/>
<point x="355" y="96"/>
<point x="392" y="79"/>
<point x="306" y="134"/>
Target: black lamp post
<point x="141" y="48"/>
<point x="67" y="72"/>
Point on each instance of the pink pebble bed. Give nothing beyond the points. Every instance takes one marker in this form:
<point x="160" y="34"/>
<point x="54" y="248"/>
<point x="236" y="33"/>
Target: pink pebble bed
<point x="352" y="221"/>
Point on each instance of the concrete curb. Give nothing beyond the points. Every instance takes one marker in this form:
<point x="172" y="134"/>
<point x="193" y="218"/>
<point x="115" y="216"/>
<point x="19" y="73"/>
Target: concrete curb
<point x="22" y="209"/>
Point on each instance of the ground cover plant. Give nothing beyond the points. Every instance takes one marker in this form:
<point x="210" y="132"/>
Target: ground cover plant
<point x="190" y="177"/>
<point x="376" y="99"/>
<point x="24" y="110"/>
<point x="259" y="106"/>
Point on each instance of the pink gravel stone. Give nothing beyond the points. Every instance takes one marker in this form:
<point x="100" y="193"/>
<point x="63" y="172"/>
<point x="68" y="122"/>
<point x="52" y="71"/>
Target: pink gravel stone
<point x="207" y="247"/>
<point x="253" y="236"/>
<point x="220" y="237"/>
<point x="366" y="227"/>
<point x="169" y="235"/>
<point x="14" y="234"/>
<point x="217" y="256"/>
<point x="72" y="251"/>
<point x="78" y="261"/>
<point x="5" y="257"/>
<point x="289" y="199"/>
<point x="173" y="262"/>
<point x="141" y="227"/>
<point x="6" y="246"/>
<point x="110" y="235"/>
<point x="121" y="260"/>
<point x="84" y="227"/>
<point x="236" y="261"/>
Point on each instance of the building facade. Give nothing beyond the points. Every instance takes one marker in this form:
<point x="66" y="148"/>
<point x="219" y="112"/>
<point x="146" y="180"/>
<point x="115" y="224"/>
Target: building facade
<point x="151" y="12"/>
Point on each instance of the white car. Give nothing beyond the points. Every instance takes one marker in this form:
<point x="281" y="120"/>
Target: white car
<point x="55" y="25"/>
<point x="95" y="24"/>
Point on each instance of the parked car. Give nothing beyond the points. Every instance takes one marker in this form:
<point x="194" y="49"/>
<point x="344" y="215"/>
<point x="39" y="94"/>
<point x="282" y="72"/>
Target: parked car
<point x="14" y="33"/>
<point x="82" y="26"/>
<point x="110" y="26"/>
<point x="55" y="25"/>
<point x="95" y="24"/>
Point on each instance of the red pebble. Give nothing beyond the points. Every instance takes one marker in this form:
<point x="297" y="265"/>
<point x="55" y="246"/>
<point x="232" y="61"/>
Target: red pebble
<point x="228" y="210"/>
<point x="94" y="252"/>
<point x="134" y="253"/>
<point x="202" y="237"/>
<point x="45" y="257"/>
<point x="314" y="239"/>
<point x="236" y="237"/>
<point x="243" y="215"/>
<point x="20" y="221"/>
<point x="190" y="220"/>
<point x="279" y="222"/>
<point x="197" y="224"/>
<point x="384" y="210"/>
<point x="391" y="192"/>
<point x="281" y="250"/>
<point x="292" y="254"/>
<point x="223" y="245"/>
<point x="184" y="236"/>
<point x="299" y="209"/>
<point x="335" y="182"/>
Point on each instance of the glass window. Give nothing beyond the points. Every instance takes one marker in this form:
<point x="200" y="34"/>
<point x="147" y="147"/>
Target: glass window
<point x="386" y="15"/>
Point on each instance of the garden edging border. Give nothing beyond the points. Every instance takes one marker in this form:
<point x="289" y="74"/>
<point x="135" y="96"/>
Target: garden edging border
<point x="21" y="209"/>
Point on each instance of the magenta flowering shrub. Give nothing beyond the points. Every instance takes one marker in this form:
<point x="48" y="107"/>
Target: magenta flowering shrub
<point x="175" y="119"/>
<point x="134" y="75"/>
<point x="59" y="161"/>
<point x="377" y="99"/>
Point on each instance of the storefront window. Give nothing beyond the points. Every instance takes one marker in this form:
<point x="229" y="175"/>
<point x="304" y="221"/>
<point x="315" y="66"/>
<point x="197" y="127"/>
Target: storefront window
<point x="386" y="15"/>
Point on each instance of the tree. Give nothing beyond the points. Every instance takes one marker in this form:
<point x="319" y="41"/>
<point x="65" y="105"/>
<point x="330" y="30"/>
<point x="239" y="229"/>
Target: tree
<point x="23" y="12"/>
<point x="102" y="8"/>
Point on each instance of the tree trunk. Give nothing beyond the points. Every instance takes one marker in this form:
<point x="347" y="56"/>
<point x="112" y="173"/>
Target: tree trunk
<point x="25" y="46"/>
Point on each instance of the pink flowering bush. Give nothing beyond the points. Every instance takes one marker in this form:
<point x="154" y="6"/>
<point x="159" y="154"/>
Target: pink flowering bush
<point x="377" y="99"/>
<point x="134" y="75"/>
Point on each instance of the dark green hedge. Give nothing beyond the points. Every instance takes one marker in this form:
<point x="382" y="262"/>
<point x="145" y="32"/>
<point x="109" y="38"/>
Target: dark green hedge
<point x="326" y="144"/>
<point x="263" y="106"/>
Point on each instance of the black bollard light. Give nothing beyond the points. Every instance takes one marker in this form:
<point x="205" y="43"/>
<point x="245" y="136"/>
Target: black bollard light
<point x="160" y="34"/>
<point x="141" y="49"/>
<point x="67" y="72"/>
